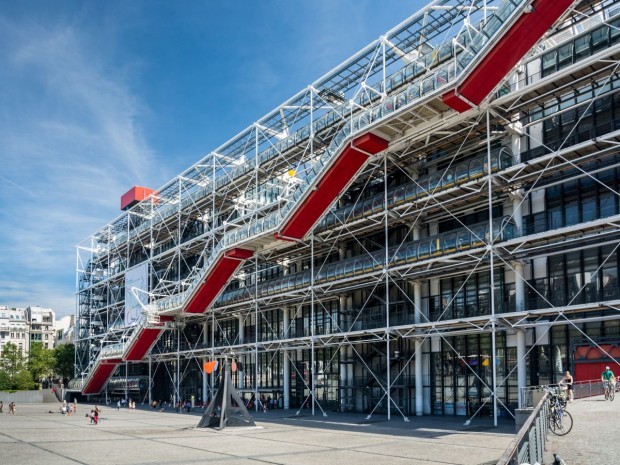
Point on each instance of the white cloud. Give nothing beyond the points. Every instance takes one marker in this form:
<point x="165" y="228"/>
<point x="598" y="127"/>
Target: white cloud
<point x="71" y="145"/>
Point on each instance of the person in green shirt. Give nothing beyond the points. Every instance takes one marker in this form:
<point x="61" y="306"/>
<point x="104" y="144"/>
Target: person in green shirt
<point x="608" y="379"/>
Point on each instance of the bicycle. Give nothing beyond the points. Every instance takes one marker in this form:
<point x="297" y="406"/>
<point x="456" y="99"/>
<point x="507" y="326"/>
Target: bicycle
<point x="560" y="421"/>
<point x="561" y="394"/>
<point x="610" y="391"/>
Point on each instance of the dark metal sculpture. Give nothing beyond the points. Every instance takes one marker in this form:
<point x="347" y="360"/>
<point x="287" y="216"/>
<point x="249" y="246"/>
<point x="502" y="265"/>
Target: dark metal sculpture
<point x="226" y="408"/>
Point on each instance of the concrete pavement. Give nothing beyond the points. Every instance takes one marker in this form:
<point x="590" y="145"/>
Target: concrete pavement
<point x="595" y="436"/>
<point x="34" y="436"/>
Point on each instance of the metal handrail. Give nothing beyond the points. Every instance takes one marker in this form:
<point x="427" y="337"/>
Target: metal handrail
<point x="529" y="444"/>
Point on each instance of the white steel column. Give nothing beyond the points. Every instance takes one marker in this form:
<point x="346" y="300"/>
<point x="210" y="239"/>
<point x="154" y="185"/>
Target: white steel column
<point x="204" y="382"/>
<point x="387" y="284"/>
<point x="515" y="130"/>
<point x="344" y="385"/>
<point x="519" y="286"/>
<point x="177" y="386"/>
<point x="286" y="320"/>
<point x="256" y="328"/>
<point x="490" y="246"/>
<point x="517" y="211"/>
<point x="212" y="375"/>
<point x="150" y="382"/>
<point x="521" y="345"/>
<point x="419" y="387"/>
<point x="521" y="363"/>
<point x="417" y="319"/>
<point x="241" y="341"/>
<point x="312" y="362"/>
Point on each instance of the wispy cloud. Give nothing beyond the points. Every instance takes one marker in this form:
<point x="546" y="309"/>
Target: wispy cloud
<point x="70" y="145"/>
<point x="71" y="115"/>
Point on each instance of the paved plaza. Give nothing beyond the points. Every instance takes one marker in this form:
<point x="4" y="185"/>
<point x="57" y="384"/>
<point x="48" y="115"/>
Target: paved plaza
<point x="34" y="436"/>
<point x="594" y="437"/>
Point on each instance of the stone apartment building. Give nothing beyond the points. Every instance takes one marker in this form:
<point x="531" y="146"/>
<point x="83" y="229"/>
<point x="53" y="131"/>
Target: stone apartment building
<point x="22" y="326"/>
<point x="42" y="325"/>
<point x="14" y="328"/>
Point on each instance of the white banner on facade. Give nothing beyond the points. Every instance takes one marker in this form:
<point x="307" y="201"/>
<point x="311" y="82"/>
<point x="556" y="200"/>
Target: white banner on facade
<point x="136" y="277"/>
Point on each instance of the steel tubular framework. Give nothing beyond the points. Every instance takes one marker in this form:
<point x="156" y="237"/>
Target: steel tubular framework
<point x="315" y="243"/>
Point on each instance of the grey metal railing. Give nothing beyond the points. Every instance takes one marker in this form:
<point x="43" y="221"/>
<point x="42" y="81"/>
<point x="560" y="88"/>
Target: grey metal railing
<point x="529" y="444"/>
<point x="581" y="390"/>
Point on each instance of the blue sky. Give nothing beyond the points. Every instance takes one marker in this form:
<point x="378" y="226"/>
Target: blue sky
<point x="99" y="96"/>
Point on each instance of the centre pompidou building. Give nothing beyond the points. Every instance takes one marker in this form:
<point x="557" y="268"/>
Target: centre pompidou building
<point x="426" y="229"/>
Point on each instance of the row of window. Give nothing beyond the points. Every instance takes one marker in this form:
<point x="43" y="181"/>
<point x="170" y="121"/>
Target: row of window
<point x="585" y="121"/>
<point x="443" y="244"/>
<point x="582" y="277"/>
<point x="460" y="173"/>
<point x="578" y="201"/>
<point x="461" y="371"/>
<point x="468" y="296"/>
<point x="13" y="335"/>
<point x="581" y="47"/>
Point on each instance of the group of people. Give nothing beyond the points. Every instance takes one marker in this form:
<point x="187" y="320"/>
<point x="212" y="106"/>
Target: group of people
<point x="184" y="405"/>
<point x="607" y="377"/>
<point x="68" y="409"/>
<point x="11" y="407"/>
<point x="131" y="405"/>
<point x="264" y="403"/>
<point x="94" y="415"/>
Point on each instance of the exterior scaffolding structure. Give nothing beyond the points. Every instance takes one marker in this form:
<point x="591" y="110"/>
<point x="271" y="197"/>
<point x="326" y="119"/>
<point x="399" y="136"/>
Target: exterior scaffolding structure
<point x="387" y="240"/>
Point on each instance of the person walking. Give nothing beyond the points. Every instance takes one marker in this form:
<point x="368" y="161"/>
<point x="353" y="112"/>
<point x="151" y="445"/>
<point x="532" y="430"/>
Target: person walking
<point x="1" y="406"/>
<point x="568" y="381"/>
<point x="12" y="408"/>
<point x="118" y="405"/>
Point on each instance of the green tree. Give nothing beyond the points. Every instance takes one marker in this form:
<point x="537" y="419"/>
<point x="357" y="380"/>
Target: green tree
<point x="65" y="360"/>
<point x="14" y="372"/>
<point x="23" y="380"/>
<point x="12" y="361"/>
<point x="41" y="361"/>
<point x="5" y="382"/>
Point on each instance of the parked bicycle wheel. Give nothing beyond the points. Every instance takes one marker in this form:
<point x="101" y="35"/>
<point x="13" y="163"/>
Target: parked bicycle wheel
<point x="557" y="460"/>
<point x="560" y="423"/>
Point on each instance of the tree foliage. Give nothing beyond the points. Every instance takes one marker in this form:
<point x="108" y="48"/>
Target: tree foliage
<point x="17" y="373"/>
<point x="12" y="360"/>
<point x="41" y="361"/>
<point x="14" y="373"/>
<point x="65" y="360"/>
